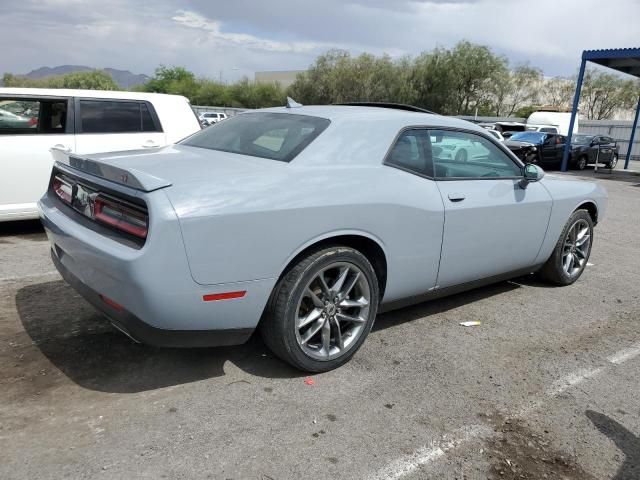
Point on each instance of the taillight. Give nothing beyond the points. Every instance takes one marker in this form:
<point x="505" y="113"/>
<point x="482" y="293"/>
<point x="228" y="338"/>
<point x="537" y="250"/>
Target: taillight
<point x="33" y="121"/>
<point x="121" y="216"/>
<point x="62" y="188"/>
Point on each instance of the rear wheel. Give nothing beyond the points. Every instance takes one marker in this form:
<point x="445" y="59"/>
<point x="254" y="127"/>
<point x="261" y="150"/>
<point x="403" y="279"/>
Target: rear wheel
<point x="322" y="309"/>
<point x="571" y="254"/>
<point x="614" y="161"/>
<point x="581" y="164"/>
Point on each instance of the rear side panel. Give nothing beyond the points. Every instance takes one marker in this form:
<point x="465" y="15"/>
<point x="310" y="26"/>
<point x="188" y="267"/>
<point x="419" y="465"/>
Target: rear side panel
<point x="249" y="228"/>
<point x="152" y="283"/>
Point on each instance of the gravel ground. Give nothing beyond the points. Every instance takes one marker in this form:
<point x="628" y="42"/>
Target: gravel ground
<point x="546" y="387"/>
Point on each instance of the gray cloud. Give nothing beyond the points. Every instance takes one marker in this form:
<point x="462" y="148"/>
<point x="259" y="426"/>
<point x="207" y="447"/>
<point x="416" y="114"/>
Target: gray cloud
<point x="208" y="37"/>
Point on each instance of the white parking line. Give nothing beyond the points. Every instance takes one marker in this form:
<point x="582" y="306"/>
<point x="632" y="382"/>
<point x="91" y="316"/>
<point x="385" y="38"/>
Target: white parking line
<point x="624" y="355"/>
<point x="571" y="380"/>
<point x="32" y="275"/>
<point x="408" y="464"/>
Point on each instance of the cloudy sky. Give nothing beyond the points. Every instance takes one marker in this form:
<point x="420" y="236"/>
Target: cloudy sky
<point x="239" y="37"/>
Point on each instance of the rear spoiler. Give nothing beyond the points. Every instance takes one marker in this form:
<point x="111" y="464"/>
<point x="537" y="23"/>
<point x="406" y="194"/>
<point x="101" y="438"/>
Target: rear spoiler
<point x="131" y="178"/>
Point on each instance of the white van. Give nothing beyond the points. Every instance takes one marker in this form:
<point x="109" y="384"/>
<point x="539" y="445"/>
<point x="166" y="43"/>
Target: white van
<point x="33" y="122"/>
<point x="559" y="120"/>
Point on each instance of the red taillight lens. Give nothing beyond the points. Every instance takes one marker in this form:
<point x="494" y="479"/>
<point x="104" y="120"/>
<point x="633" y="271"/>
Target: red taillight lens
<point x="33" y="121"/>
<point x="121" y="216"/>
<point x="62" y="188"/>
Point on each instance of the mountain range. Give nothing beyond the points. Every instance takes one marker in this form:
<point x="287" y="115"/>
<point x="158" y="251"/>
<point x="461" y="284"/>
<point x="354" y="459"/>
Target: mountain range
<point x="124" y="78"/>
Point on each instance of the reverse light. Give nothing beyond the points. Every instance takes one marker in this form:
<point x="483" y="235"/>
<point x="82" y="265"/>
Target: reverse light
<point x="62" y="188"/>
<point x="121" y="216"/>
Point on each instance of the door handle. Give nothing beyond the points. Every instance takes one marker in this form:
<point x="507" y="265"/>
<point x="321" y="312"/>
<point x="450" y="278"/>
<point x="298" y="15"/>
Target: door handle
<point x="457" y="197"/>
<point x="150" y="144"/>
<point x="61" y="148"/>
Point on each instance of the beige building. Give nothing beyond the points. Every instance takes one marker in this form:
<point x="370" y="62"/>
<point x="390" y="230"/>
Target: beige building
<point x="283" y="77"/>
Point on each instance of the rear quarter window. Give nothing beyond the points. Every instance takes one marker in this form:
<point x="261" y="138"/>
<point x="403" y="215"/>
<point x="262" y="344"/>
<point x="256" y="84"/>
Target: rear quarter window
<point x="275" y="136"/>
<point x="105" y="116"/>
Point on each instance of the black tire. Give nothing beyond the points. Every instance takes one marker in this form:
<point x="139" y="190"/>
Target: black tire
<point x="614" y="161"/>
<point x="581" y="163"/>
<point x="278" y="325"/>
<point x="552" y="271"/>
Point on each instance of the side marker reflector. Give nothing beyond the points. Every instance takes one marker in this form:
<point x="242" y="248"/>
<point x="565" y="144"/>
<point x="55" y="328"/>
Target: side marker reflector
<point x="213" y="297"/>
<point x="111" y="303"/>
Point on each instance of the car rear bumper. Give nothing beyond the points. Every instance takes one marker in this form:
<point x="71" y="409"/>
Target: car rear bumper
<point x="149" y="292"/>
<point x="143" y="332"/>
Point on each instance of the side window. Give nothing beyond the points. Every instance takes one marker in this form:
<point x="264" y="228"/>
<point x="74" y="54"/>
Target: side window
<point x="412" y="152"/>
<point x="147" y="120"/>
<point x="31" y="116"/>
<point x="549" y="130"/>
<point x="467" y="155"/>
<point x="100" y="116"/>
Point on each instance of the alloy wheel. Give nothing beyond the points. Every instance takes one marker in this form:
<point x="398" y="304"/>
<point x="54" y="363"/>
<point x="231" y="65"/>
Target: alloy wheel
<point x="582" y="163"/>
<point x="333" y="311"/>
<point x="575" y="250"/>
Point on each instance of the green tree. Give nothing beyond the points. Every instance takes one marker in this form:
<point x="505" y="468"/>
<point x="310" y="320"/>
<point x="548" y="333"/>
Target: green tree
<point x="474" y="69"/>
<point x="211" y="92"/>
<point x="558" y="92"/>
<point x="516" y="89"/>
<point x="90" y="80"/>
<point x="431" y="81"/>
<point x="603" y="94"/>
<point x="173" y="80"/>
<point x="93" y="80"/>
<point x="337" y="77"/>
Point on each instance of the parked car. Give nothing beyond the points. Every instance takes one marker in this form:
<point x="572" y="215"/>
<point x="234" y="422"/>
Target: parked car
<point x="586" y="149"/>
<point x="305" y="223"/>
<point x="537" y="147"/>
<point x="212" y="117"/>
<point x="13" y="120"/>
<point x="462" y="150"/>
<point x="34" y="121"/>
<point x="542" y="128"/>
<point x="496" y="134"/>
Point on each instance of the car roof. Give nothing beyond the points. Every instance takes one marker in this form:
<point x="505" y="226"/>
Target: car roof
<point x="370" y="113"/>
<point x="63" y="92"/>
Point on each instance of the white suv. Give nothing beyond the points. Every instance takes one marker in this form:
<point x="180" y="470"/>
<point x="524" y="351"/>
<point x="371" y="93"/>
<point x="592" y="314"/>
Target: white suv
<point x="210" y="118"/>
<point x="36" y="122"/>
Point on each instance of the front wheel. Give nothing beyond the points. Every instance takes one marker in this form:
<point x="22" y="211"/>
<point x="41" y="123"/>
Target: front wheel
<point x="322" y="309"/>
<point x="571" y="253"/>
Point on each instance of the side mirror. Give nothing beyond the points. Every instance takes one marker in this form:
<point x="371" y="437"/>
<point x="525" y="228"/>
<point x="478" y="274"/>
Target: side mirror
<point x="532" y="173"/>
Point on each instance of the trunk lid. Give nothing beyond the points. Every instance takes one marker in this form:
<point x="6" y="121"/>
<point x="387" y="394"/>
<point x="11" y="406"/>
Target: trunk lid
<point x="149" y="170"/>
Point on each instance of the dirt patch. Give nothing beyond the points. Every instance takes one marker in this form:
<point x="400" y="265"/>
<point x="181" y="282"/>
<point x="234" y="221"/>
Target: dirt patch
<point x="517" y="453"/>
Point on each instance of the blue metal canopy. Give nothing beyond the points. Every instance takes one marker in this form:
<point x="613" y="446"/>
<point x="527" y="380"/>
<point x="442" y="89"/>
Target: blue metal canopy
<point x="625" y="60"/>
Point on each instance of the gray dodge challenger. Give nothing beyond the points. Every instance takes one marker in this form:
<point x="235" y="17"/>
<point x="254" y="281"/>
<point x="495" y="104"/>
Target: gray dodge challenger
<point x="304" y="222"/>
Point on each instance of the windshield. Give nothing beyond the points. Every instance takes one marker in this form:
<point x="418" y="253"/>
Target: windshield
<point x="276" y="136"/>
<point x="531" y="137"/>
<point x="581" y="139"/>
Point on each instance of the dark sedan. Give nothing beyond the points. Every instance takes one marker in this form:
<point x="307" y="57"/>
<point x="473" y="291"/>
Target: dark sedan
<point x="592" y="149"/>
<point x="537" y="147"/>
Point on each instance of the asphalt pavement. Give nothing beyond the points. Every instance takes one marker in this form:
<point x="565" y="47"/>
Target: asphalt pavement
<point x="546" y="387"/>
